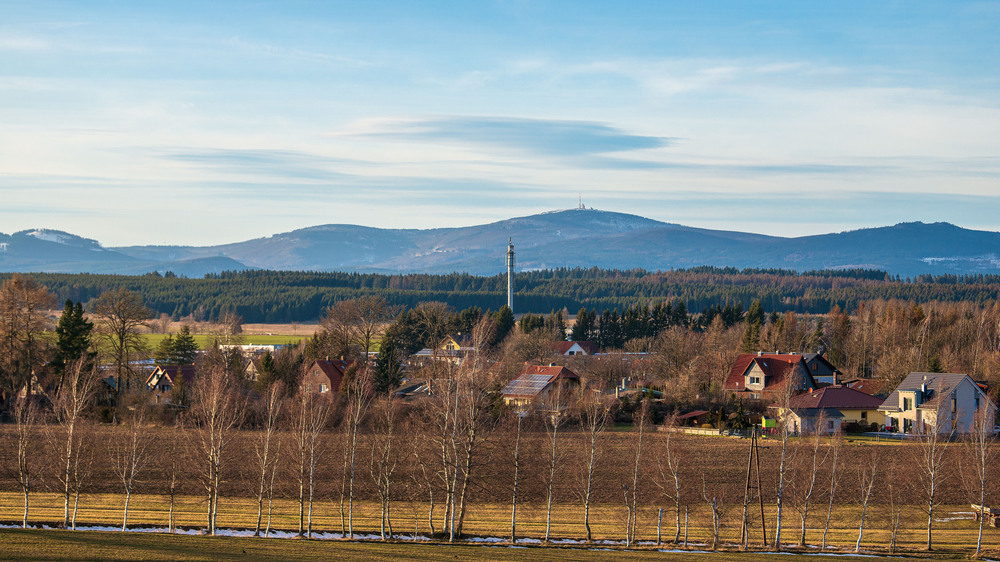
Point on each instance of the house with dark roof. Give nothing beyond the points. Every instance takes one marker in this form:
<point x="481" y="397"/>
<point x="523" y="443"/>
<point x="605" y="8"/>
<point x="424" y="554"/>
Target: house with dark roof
<point x="535" y="384"/>
<point x="163" y="379"/>
<point x="943" y="402"/>
<point x="821" y="369"/>
<point x="324" y="377"/>
<point x="827" y="408"/>
<point x="572" y="348"/>
<point x="768" y="376"/>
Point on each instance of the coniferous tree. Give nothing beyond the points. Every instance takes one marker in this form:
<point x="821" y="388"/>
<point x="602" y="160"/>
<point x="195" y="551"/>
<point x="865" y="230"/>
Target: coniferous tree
<point x="185" y="349"/>
<point x="73" y="339"/>
<point x="388" y="368"/>
<point x="503" y="321"/>
<point x="163" y="355"/>
<point x="583" y="329"/>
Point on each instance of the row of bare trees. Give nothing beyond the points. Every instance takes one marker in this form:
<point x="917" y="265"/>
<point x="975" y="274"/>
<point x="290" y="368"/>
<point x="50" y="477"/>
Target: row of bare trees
<point x="542" y="456"/>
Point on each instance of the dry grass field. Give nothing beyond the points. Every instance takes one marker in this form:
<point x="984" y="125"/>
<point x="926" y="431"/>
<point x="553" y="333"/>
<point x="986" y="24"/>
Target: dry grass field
<point x="66" y="545"/>
<point x="954" y="533"/>
<point x="714" y="466"/>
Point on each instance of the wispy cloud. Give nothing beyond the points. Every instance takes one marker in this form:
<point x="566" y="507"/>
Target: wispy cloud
<point x="280" y="163"/>
<point x="531" y="136"/>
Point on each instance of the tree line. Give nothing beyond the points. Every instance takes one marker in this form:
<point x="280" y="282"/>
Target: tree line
<point x="290" y="296"/>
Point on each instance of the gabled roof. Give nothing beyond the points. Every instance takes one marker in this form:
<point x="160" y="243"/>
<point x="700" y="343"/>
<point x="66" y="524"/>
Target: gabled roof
<point x="840" y="397"/>
<point x="814" y="357"/>
<point x="938" y="385"/>
<point x="534" y="379"/>
<point x="563" y="347"/>
<point x="693" y="414"/>
<point x="334" y="370"/>
<point x="875" y="387"/>
<point x="775" y="366"/>
<point x="171" y="372"/>
<point x="817" y="412"/>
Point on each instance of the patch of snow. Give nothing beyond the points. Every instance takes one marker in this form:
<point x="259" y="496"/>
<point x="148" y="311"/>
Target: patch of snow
<point x="49" y="236"/>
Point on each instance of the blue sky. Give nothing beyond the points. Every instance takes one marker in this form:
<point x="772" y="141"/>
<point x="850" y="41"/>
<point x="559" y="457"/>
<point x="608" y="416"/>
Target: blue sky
<point x="211" y="122"/>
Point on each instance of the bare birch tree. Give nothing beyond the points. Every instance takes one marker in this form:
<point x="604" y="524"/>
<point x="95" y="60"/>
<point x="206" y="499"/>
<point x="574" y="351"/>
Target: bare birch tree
<point x="807" y="477"/>
<point x="594" y="413"/>
<point x="980" y="456"/>
<point x="555" y="416"/>
<point x="218" y="411"/>
<point x="631" y="497"/>
<point x="310" y="421"/>
<point x="128" y="453"/>
<point x="358" y="386"/>
<point x="385" y="456"/>
<point x="668" y="462"/>
<point x="25" y="422"/>
<point x="868" y="472"/>
<point x="518" y="414"/>
<point x="930" y="451"/>
<point x="266" y="449"/>
<point x="74" y="397"/>
<point x="836" y="440"/>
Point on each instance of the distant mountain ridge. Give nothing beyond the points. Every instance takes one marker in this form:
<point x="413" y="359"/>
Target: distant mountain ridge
<point x="568" y="238"/>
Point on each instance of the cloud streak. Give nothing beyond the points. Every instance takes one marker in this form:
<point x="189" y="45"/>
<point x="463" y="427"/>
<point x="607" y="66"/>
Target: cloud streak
<point x="521" y="135"/>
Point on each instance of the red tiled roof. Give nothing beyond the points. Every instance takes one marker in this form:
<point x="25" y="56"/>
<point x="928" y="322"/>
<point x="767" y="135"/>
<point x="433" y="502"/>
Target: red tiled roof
<point x="840" y="397"/>
<point x="874" y="387"/>
<point x="562" y="347"/>
<point x="334" y="370"/>
<point x="774" y="365"/>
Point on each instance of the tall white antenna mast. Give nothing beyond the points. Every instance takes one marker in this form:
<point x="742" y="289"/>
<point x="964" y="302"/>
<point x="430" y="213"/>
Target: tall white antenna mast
<point x="510" y="274"/>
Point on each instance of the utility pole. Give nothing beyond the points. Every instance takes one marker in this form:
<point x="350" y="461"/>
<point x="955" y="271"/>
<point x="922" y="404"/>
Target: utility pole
<point x="753" y="462"/>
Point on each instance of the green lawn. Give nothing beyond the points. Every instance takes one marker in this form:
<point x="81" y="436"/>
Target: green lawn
<point x="205" y="340"/>
<point x="19" y="544"/>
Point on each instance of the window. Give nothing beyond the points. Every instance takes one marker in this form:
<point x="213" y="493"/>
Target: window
<point x="754" y="380"/>
<point x="864" y="415"/>
<point x="324" y="388"/>
<point x="829" y="424"/>
<point x="907" y="404"/>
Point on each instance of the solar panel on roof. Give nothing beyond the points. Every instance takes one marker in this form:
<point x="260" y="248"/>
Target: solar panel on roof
<point x="527" y="384"/>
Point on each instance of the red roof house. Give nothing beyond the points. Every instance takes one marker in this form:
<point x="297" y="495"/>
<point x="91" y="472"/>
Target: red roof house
<point x="767" y="375"/>
<point x="324" y="377"/>
<point x="575" y="348"/>
<point x="536" y="383"/>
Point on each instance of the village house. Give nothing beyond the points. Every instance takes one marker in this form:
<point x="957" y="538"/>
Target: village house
<point x="822" y="371"/>
<point x="828" y="409"/>
<point x="573" y="348"/>
<point x="768" y="376"/>
<point x="451" y="350"/>
<point x="536" y="384"/>
<point x="944" y="402"/>
<point x="324" y="377"/>
<point x="163" y="379"/>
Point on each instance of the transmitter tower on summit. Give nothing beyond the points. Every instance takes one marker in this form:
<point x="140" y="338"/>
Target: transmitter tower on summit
<point x="510" y="274"/>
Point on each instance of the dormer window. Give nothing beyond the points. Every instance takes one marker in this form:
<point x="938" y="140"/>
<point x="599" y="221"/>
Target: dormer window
<point x="753" y="380"/>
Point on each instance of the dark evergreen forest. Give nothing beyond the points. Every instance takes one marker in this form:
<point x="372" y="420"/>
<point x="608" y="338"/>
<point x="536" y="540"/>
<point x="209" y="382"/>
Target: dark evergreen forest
<point x="296" y="296"/>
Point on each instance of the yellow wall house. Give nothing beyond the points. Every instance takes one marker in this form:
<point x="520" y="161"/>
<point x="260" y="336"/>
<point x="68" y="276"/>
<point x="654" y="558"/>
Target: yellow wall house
<point x="837" y="404"/>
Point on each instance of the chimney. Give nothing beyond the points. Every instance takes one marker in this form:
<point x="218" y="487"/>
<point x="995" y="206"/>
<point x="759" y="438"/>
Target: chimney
<point x="759" y="353"/>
